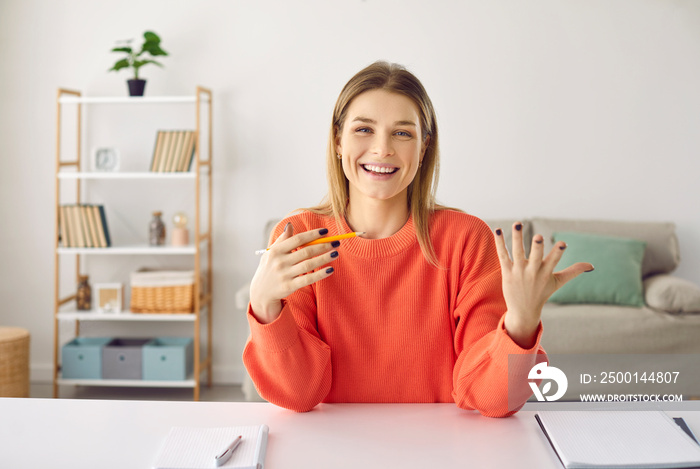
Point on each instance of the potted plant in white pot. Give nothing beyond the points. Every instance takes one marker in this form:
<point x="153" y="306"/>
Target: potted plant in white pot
<point x="137" y="59"/>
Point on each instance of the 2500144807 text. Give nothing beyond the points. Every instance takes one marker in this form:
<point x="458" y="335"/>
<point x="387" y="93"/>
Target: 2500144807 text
<point x="627" y="377"/>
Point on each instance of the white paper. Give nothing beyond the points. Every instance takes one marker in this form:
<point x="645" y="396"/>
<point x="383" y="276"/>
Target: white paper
<point x="195" y="448"/>
<point x="624" y="439"/>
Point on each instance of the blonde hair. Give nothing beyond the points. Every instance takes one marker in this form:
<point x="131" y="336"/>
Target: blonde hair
<point x="421" y="191"/>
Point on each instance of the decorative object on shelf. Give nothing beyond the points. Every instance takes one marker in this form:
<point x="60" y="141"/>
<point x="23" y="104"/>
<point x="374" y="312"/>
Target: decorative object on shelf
<point x="156" y="230"/>
<point x="105" y="159"/>
<point x="174" y="150"/>
<point x="180" y="236"/>
<point x="83" y="296"/>
<point x="170" y="291"/>
<point x="134" y="60"/>
<point x="83" y="226"/>
<point x="109" y="297"/>
<point x="123" y="358"/>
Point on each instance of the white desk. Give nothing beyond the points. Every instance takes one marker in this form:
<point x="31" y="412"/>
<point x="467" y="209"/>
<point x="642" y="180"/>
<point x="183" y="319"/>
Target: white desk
<point x="64" y="433"/>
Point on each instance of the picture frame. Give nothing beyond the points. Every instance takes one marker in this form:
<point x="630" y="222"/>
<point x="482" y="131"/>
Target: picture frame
<point x="109" y="297"/>
<point x="105" y="159"/>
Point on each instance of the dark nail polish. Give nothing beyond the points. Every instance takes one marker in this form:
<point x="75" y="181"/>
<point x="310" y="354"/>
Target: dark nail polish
<point x="498" y="232"/>
<point x="329" y="270"/>
<point x="586" y="271"/>
<point x="287" y="226"/>
<point x="538" y="241"/>
<point x="323" y="231"/>
<point x="335" y="244"/>
<point x="518" y="227"/>
<point x="562" y="247"/>
<point x="334" y="254"/>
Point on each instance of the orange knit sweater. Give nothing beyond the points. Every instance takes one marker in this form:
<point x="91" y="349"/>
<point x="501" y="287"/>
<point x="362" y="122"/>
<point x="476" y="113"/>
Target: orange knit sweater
<point x="389" y="327"/>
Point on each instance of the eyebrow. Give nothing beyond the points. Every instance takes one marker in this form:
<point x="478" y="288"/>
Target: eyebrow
<point x="367" y="120"/>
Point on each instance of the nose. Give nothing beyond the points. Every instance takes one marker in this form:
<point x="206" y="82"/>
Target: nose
<point x="382" y="145"/>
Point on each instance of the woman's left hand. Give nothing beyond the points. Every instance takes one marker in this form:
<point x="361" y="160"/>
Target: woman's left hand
<point x="528" y="283"/>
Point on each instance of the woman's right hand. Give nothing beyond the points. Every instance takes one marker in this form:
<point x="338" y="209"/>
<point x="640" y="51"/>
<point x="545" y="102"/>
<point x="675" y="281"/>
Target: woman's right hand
<point x="281" y="272"/>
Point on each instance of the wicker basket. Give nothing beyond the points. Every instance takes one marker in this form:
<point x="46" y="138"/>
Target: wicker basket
<point x="14" y="362"/>
<point x="163" y="292"/>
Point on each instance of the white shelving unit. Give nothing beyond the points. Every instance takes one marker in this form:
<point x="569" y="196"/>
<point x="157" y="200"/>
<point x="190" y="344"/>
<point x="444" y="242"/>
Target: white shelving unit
<point x="73" y="172"/>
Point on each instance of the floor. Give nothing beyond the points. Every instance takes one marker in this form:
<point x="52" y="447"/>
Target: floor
<point x="228" y="393"/>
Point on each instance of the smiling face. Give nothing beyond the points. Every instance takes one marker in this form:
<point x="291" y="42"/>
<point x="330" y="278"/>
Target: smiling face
<point x="381" y="145"/>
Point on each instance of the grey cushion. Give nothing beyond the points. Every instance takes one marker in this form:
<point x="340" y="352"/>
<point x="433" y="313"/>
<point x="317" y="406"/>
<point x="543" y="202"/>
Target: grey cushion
<point x="662" y="253"/>
<point x="672" y="294"/>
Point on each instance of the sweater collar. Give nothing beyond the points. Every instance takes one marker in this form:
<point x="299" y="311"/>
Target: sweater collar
<point x="384" y="247"/>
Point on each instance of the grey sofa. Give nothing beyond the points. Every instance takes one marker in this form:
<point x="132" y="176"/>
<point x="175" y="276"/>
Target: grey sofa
<point x="662" y="335"/>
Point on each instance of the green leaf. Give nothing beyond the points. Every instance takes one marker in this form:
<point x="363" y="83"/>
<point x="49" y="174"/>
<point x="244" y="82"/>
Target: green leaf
<point x="122" y="49"/>
<point x="124" y="63"/>
<point x="154" y="49"/>
<point x="150" y="36"/>
<point x="141" y="63"/>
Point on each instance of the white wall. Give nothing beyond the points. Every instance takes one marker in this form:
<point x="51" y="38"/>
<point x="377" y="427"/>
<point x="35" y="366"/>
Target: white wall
<point x="553" y="108"/>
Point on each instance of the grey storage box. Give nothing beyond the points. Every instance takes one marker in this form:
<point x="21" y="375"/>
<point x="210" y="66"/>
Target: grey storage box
<point x="168" y="359"/>
<point x="81" y="358"/>
<point x="121" y="359"/>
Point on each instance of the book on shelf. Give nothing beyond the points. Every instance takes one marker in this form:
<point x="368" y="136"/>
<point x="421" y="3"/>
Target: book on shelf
<point x="103" y="226"/>
<point x="77" y="226"/>
<point x="156" y="151"/>
<point x="66" y="235"/>
<point x="173" y="151"/>
<point x="83" y="226"/>
<point x="87" y="232"/>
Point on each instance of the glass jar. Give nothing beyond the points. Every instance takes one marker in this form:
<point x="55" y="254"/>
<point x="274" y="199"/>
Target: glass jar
<point x="84" y="294"/>
<point x="156" y="231"/>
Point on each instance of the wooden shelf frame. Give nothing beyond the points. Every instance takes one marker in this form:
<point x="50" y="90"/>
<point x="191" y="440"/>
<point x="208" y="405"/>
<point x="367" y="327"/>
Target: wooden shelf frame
<point x="71" y="171"/>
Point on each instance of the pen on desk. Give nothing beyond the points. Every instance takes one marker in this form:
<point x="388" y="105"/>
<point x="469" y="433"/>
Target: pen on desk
<point x="322" y="240"/>
<point x="224" y="456"/>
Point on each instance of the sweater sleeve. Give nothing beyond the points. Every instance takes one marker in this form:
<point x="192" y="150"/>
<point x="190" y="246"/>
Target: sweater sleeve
<point x="490" y="373"/>
<point x="287" y="360"/>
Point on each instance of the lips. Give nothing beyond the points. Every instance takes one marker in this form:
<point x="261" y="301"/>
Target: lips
<point x="379" y="169"/>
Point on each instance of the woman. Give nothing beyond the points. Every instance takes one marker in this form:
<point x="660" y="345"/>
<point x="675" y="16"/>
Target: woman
<point x="425" y="307"/>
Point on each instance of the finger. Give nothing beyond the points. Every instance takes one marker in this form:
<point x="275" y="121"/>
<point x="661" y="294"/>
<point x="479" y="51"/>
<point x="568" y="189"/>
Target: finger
<point x="312" y="264"/>
<point x="552" y="259"/>
<point x="306" y="280"/>
<point x="287" y="233"/>
<point x="572" y="272"/>
<point x="518" y="250"/>
<point x="536" y="252"/>
<point x="300" y="239"/>
<point x="502" y="251"/>
<point x="311" y="251"/>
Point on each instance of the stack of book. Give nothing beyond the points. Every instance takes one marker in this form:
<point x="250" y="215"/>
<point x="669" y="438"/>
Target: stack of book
<point x="83" y="226"/>
<point x="174" y="151"/>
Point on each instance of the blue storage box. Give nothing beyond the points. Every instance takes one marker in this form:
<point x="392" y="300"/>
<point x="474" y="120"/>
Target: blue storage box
<point x="81" y="358"/>
<point x="121" y="358"/>
<point x="168" y="358"/>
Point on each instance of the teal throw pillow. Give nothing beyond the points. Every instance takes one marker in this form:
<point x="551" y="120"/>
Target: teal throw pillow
<point x="617" y="278"/>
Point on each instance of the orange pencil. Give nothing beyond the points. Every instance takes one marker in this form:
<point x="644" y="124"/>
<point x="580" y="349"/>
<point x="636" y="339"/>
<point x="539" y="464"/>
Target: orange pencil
<point x="323" y="240"/>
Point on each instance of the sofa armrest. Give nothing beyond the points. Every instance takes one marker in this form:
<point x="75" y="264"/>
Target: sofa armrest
<point x="672" y="294"/>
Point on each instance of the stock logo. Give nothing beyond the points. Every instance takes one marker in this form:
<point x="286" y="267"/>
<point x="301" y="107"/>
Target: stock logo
<point x="547" y="374"/>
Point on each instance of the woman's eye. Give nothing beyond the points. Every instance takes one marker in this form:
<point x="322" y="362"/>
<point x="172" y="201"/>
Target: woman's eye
<point x="364" y="130"/>
<point x="403" y="133"/>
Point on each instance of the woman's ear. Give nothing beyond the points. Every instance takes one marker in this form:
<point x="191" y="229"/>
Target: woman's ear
<point x="424" y="147"/>
<point x="338" y="146"/>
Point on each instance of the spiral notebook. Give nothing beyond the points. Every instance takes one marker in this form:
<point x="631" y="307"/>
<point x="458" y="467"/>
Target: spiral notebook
<point x="618" y="439"/>
<point x="195" y="448"/>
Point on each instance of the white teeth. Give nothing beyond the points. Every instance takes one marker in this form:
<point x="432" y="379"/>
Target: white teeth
<point x="379" y="169"/>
